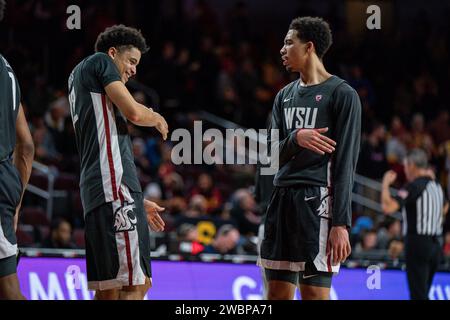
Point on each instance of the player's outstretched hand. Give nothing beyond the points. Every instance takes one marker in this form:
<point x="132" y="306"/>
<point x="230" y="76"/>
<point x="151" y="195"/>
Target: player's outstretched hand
<point x="314" y="140"/>
<point x="161" y="126"/>
<point x="338" y="244"/>
<point x="153" y="217"/>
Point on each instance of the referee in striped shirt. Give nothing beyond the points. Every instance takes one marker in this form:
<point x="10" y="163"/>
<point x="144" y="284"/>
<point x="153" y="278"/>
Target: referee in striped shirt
<point x="422" y="205"/>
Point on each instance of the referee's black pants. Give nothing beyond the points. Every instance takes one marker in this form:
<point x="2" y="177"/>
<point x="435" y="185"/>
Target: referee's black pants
<point x="422" y="255"/>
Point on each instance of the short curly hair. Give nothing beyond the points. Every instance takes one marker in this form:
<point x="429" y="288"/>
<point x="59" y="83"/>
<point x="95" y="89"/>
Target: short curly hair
<point x="313" y="29"/>
<point x="2" y="8"/>
<point x="120" y="36"/>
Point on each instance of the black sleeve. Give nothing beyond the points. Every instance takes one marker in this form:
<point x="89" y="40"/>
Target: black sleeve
<point x="408" y="194"/>
<point x="99" y="71"/>
<point x="287" y="147"/>
<point x="347" y="134"/>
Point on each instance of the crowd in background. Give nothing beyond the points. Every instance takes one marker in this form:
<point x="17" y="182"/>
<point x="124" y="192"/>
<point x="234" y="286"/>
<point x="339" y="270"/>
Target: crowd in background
<point x="229" y="67"/>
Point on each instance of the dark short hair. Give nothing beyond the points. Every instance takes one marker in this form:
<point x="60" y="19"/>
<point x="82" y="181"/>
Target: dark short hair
<point x="225" y="229"/>
<point x="418" y="157"/>
<point x="119" y="37"/>
<point x="389" y="221"/>
<point x="313" y="29"/>
<point x="184" y="229"/>
<point x="2" y="8"/>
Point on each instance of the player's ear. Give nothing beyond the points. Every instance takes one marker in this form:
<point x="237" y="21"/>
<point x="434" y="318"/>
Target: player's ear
<point x="309" y="47"/>
<point x="112" y="52"/>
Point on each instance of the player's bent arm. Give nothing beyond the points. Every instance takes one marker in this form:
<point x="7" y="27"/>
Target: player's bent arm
<point x="24" y="151"/>
<point x="132" y="110"/>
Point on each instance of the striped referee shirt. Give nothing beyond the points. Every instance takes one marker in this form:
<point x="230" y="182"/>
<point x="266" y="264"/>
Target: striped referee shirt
<point x="422" y="203"/>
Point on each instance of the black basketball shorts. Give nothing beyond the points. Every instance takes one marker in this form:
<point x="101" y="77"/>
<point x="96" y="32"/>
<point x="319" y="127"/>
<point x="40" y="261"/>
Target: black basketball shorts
<point x="10" y="193"/>
<point x="118" y="243"/>
<point x="296" y="230"/>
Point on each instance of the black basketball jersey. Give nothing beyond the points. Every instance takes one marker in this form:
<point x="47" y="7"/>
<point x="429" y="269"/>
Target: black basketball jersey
<point x="333" y="104"/>
<point x="9" y="108"/>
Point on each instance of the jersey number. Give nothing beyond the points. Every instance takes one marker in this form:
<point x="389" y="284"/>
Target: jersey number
<point x="13" y="81"/>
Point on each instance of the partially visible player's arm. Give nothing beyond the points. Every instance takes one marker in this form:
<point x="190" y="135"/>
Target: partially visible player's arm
<point x="134" y="111"/>
<point x="23" y="154"/>
<point x="348" y="137"/>
<point x="347" y="134"/>
<point x="388" y="203"/>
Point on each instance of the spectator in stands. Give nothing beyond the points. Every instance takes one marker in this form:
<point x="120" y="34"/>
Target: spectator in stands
<point x="166" y="165"/>
<point x="395" y="249"/>
<point x="153" y="192"/>
<point x="391" y="230"/>
<point x="174" y="195"/>
<point x="55" y="121"/>
<point x="244" y="212"/>
<point x="167" y="84"/>
<point x="187" y="240"/>
<point x="206" y="188"/>
<point x="153" y="150"/>
<point x="372" y="159"/>
<point x="187" y="232"/>
<point x="363" y="86"/>
<point x="225" y="242"/>
<point x="361" y="224"/>
<point x="397" y="141"/>
<point x="229" y="102"/>
<point x="420" y="138"/>
<point x="54" y="117"/>
<point x="368" y="242"/>
<point x="426" y="92"/>
<point x="140" y="160"/>
<point x="396" y="147"/>
<point x="173" y="184"/>
<point x="440" y="127"/>
<point x="198" y="207"/>
<point x="45" y="146"/>
<point x="60" y="236"/>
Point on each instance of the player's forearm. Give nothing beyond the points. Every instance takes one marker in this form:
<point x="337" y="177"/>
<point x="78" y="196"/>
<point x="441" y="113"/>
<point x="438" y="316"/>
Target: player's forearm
<point x="342" y="204"/>
<point x="287" y="148"/>
<point x="135" y="112"/>
<point x="143" y="116"/>
<point x="343" y="173"/>
<point x="343" y="169"/>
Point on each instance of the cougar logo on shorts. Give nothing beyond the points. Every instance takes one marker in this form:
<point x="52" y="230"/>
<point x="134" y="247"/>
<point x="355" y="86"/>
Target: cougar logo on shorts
<point x="125" y="219"/>
<point x="323" y="210"/>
